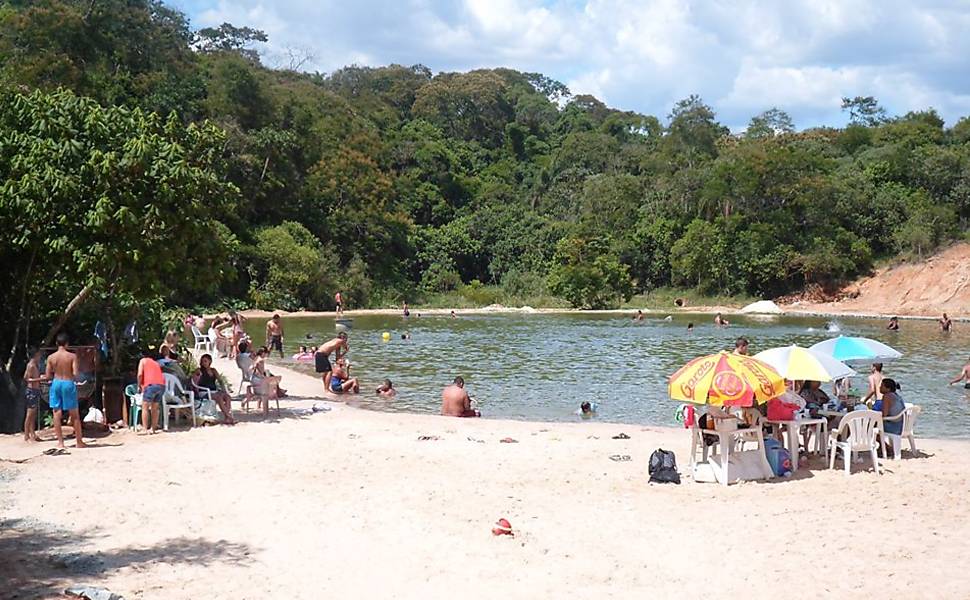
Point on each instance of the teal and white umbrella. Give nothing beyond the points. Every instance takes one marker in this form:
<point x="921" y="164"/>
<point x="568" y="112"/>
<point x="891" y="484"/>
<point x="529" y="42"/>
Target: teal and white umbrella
<point x="857" y="350"/>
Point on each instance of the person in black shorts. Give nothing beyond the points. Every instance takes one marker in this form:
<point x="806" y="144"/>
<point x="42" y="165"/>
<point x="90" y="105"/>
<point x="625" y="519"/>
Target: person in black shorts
<point x="274" y="334"/>
<point x="337" y="346"/>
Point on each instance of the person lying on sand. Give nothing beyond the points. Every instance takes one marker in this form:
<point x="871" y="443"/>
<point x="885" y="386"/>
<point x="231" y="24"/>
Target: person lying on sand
<point x="963" y="376"/>
<point x="455" y="401"/>
<point x="341" y="381"/>
<point x="322" y="357"/>
<point x="386" y="389"/>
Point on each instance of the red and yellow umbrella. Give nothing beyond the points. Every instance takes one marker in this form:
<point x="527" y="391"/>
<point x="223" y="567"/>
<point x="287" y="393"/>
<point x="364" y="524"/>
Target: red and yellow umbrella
<point x="725" y="379"/>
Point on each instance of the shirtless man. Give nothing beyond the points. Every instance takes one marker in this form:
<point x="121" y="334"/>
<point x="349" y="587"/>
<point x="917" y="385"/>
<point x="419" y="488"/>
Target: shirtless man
<point x="32" y="377"/>
<point x="638" y="316"/>
<point x="945" y="323"/>
<point x="720" y="321"/>
<point x="339" y="301"/>
<point x="322" y="356"/>
<point x="61" y="371"/>
<point x="340" y="380"/>
<point x="875" y="382"/>
<point x="964" y="376"/>
<point x="274" y="334"/>
<point x="741" y="346"/>
<point x="455" y="401"/>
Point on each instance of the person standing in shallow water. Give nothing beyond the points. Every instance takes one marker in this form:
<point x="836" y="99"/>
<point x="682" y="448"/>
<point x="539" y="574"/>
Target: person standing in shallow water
<point x="893" y="324"/>
<point x="964" y="376"/>
<point x="339" y="301"/>
<point x="945" y="323"/>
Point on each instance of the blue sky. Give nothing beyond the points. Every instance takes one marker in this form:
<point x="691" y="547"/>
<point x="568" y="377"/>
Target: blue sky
<point x="741" y="56"/>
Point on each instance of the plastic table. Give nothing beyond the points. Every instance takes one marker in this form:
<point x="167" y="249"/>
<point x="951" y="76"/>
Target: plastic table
<point x="821" y="426"/>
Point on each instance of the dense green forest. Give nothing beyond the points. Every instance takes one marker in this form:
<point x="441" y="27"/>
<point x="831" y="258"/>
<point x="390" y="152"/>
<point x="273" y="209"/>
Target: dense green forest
<point x="144" y="165"/>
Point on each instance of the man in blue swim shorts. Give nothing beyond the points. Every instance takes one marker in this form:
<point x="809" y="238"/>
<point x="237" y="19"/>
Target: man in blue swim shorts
<point x="61" y="371"/>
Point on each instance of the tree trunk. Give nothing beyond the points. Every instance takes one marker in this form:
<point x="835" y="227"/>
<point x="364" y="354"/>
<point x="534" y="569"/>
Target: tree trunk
<point x="72" y="305"/>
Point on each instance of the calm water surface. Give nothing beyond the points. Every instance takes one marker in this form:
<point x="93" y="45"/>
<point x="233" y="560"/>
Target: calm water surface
<point x="542" y="366"/>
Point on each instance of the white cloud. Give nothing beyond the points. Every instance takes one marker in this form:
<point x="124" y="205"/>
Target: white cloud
<point x="740" y="56"/>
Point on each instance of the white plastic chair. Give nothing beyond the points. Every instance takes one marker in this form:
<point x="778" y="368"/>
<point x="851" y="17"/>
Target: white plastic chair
<point x="176" y="397"/>
<point x="245" y="364"/>
<point x="859" y="427"/>
<point x="202" y="340"/>
<point x="265" y="392"/>
<point x="908" y="418"/>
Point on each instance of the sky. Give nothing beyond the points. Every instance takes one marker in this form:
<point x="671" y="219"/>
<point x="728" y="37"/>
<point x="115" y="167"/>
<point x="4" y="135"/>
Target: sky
<point x="740" y="56"/>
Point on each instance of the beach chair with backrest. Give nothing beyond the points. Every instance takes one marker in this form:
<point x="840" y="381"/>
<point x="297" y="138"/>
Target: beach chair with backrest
<point x="176" y="398"/>
<point x="245" y="364"/>
<point x="856" y="433"/>
<point x="908" y="418"/>
<point x="134" y="405"/>
<point x="202" y="340"/>
<point x="266" y="392"/>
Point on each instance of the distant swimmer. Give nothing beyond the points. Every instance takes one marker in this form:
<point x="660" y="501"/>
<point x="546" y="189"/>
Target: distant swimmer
<point x="638" y="316"/>
<point x="690" y="328"/>
<point x="720" y="321"/>
<point x="893" y="324"/>
<point x="405" y="311"/>
<point x="964" y="376"/>
<point x="945" y="323"/>
<point x="322" y="356"/>
<point x="453" y="315"/>
<point x="587" y="409"/>
<point x="386" y="389"/>
<point x="455" y="401"/>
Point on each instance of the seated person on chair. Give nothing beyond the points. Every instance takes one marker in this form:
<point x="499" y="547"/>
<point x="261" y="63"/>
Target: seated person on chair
<point x="892" y="406"/>
<point x="207" y="378"/>
<point x="340" y="379"/>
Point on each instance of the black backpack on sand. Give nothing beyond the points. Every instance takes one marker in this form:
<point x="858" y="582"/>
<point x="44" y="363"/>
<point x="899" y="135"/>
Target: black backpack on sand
<point x="663" y="467"/>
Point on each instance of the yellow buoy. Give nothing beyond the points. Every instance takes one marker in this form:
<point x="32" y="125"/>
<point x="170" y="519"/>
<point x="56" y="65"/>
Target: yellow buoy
<point x="387" y="336"/>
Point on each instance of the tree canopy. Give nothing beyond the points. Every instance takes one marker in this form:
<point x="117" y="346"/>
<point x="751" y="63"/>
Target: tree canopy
<point x="141" y="158"/>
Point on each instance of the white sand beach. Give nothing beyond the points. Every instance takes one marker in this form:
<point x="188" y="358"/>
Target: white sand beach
<point x="349" y="503"/>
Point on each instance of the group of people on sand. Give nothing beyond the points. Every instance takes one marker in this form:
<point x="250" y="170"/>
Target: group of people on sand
<point x="883" y="396"/>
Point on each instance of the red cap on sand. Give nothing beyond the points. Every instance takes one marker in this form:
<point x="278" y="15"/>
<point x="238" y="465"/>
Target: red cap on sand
<point x="502" y="527"/>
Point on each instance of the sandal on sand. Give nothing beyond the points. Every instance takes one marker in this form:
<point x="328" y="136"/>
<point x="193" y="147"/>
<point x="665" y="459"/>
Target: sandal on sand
<point x="620" y="458"/>
<point x="509" y="440"/>
<point x="621" y="436"/>
<point x="428" y="438"/>
<point x="476" y="440"/>
<point x="56" y="451"/>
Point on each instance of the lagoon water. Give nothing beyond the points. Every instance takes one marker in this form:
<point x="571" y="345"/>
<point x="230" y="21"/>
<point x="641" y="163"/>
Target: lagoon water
<point x="542" y="366"/>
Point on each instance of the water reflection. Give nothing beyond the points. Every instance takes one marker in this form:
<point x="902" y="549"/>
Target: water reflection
<point x="542" y="367"/>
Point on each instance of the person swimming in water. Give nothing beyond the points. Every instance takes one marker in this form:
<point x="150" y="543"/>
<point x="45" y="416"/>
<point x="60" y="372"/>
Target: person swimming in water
<point x="964" y="376"/>
<point x="690" y="328"/>
<point x="386" y="389"/>
<point x="893" y="324"/>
